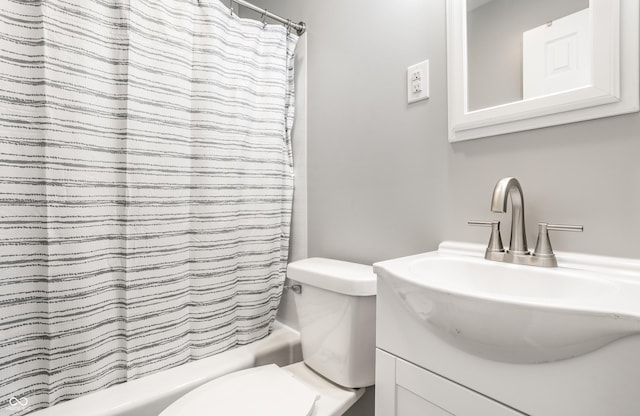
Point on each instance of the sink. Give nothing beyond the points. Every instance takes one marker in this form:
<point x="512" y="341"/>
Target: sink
<point x="503" y="281"/>
<point x="513" y="313"/>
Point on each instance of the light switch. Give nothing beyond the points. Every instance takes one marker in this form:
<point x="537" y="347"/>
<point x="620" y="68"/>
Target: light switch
<point x="418" y="82"/>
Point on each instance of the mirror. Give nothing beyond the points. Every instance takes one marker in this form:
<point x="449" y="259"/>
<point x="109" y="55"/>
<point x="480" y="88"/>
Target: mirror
<point x="505" y="39"/>
<point x="523" y="64"/>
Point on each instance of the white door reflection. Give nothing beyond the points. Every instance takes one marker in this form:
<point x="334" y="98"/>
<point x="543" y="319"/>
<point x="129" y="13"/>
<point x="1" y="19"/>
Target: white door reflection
<point x="556" y="56"/>
<point x="495" y="31"/>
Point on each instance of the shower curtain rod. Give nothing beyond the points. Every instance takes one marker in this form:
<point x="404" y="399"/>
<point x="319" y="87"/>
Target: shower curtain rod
<point x="300" y="27"/>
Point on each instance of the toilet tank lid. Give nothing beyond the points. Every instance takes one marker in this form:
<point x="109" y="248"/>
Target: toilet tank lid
<point x="335" y="275"/>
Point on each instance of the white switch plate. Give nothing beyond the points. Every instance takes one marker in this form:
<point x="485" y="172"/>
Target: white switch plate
<point x="418" y="82"/>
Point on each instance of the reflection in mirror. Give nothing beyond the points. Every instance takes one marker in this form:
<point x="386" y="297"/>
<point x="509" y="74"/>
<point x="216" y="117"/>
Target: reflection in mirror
<point x="521" y="49"/>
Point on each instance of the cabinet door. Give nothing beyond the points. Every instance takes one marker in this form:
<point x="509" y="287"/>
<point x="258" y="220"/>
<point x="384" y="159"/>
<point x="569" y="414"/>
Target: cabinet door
<point x="403" y="389"/>
<point x="410" y="404"/>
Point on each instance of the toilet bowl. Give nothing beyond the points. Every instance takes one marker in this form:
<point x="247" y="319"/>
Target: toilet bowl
<point x="336" y="311"/>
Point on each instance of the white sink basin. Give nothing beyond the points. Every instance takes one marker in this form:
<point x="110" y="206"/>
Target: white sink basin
<point x="499" y="280"/>
<point x="518" y="314"/>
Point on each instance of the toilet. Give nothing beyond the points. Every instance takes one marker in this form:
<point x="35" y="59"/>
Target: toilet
<point x="336" y="312"/>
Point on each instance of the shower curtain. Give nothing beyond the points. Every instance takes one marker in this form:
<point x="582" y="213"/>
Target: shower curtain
<point x="145" y="189"/>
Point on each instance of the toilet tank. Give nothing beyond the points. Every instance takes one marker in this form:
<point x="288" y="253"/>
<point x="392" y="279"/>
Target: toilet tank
<point x="337" y="314"/>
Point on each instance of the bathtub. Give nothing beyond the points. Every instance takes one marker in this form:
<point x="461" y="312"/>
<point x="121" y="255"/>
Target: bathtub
<point x="149" y="395"/>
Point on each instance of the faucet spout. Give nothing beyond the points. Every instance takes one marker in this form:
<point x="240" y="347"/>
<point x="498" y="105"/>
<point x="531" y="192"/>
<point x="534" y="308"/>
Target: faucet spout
<point x="504" y="188"/>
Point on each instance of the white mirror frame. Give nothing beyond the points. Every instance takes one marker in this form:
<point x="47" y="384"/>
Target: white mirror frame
<point x="615" y="78"/>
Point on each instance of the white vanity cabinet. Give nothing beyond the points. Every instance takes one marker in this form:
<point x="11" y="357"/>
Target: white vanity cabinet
<point x="404" y="389"/>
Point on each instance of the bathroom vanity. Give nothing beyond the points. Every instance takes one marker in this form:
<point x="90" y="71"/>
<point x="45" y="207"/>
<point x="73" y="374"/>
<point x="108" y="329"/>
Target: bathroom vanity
<point x="461" y="335"/>
<point x="405" y="389"/>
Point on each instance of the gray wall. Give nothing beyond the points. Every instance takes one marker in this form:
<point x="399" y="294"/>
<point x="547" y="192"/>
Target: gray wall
<point x="584" y="173"/>
<point x="377" y="166"/>
<point x="384" y="181"/>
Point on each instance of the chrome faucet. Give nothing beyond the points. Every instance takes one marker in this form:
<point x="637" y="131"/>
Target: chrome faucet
<point x="504" y="188"/>
<point x="518" y="252"/>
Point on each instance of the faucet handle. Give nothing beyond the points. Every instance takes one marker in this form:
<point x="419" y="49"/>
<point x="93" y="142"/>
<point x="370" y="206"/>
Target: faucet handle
<point x="563" y="227"/>
<point x="543" y="245"/>
<point x="495" y="240"/>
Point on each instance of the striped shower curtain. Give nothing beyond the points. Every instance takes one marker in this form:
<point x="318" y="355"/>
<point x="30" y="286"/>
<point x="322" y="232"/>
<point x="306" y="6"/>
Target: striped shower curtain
<point x="145" y="189"/>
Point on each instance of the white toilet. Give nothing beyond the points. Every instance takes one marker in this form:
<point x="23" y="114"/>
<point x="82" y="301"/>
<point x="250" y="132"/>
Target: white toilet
<point x="336" y="311"/>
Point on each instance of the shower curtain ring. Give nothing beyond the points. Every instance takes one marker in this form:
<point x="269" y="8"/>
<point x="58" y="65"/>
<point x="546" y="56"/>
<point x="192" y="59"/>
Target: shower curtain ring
<point x="231" y="6"/>
<point x="264" y="17"/>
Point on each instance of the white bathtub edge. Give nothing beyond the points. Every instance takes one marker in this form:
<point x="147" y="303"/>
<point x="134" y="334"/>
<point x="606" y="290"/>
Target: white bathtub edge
<point x="149" y="395"/>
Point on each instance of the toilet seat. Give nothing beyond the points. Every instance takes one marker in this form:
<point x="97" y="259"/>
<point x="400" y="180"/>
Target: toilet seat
<point x="269" y="390"/>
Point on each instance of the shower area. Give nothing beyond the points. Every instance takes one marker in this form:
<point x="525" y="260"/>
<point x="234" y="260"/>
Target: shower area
<point x="146" y="189"/>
